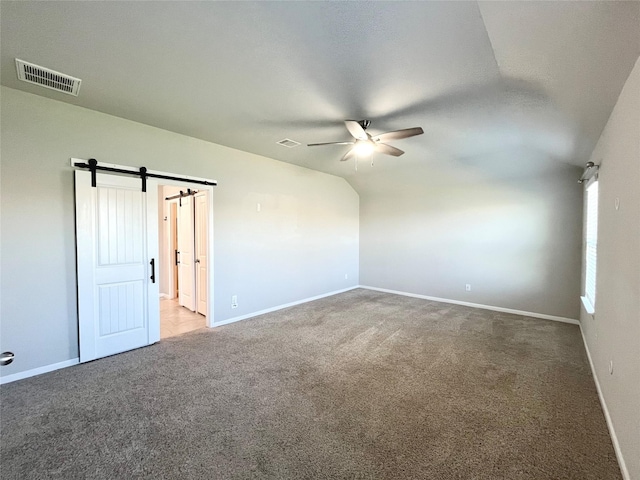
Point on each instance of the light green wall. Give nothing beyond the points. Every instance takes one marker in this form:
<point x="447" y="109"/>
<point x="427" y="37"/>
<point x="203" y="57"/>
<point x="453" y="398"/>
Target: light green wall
<point x="613" y="333"/>
<point x="509" y="226"/>
<point x="301" y="244"/>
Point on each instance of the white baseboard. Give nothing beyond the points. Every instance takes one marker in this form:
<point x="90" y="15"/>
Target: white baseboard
<point x="75" y="361"/>
<point x="616" y="445"/>
<point x="607" y="417"/>
<point x="280" y="307"/>
<point x="38" y="371"/>
<point x="544" y="316"/>
<point x="165" y="296"/>
<point x="67" y="363"/>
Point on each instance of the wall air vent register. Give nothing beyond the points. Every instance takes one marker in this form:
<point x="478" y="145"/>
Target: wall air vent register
<point x="287" y="142"/>
<point x="45" y="77"/>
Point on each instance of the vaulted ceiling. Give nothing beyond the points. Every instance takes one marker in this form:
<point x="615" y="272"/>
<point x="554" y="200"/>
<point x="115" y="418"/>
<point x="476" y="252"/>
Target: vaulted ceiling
<point x="499" y="85"/>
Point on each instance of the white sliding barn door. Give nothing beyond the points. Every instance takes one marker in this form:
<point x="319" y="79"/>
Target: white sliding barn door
<point x="186" y="247"/>
<point x="116" y="228"/>
<point x="201" y="215"/>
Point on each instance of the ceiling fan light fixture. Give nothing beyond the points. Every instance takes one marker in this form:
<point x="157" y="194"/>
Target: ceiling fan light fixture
<point x="364" y="148"/>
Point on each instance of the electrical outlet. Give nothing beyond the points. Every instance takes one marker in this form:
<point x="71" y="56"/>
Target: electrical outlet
<point x="258" y="207"/>
<point x="610" y="367"/>
<point x="346" y="276"/>
<point x="467" y="287"/>
<point x="234" y="301"/>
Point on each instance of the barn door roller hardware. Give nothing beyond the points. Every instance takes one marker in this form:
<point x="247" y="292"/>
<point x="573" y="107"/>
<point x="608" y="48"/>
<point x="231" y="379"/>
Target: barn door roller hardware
<point x="142" y="172"/>
<point x="188" y="193"/>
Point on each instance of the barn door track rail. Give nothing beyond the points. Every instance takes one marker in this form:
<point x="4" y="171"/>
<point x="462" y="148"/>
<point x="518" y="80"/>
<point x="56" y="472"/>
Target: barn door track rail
<point x="182" y="194"/>
<point x="142" y="172"/>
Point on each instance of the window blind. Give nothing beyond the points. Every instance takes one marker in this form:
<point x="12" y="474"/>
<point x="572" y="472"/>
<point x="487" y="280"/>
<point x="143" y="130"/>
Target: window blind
<point x="591" y="243"/>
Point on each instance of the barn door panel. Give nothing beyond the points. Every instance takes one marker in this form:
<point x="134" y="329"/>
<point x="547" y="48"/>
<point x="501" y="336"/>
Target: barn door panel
<point x="117" y="252"/>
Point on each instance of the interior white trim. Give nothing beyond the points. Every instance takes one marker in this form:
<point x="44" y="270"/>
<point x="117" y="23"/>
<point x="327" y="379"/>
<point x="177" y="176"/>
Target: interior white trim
<point x="280" y="307"/>
<point x="76" y="361"/>
<point x="56" y="366"/>
<point x="607" y="417"/>
<point x="587" y="305"/>
<point x="38" y="371"/>
<point x="165" y="296"/>
<point x="544" y="316"/>
<point x="210" y="241"/>
<point x="179" y="182"/>
<point x="616" y="445"/>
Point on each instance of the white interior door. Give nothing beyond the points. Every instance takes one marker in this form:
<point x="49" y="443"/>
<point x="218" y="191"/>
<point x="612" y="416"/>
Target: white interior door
<point x="201" y="215"/>
<point x="117" y="254"/>
<point x="186" y="247"/>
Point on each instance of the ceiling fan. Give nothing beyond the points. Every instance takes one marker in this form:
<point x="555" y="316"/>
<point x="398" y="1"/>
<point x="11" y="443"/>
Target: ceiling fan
<point x="365" y="144"/>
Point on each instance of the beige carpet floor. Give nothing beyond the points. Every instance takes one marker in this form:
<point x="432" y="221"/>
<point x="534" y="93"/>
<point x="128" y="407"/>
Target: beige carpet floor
<point x="361" y="385"/>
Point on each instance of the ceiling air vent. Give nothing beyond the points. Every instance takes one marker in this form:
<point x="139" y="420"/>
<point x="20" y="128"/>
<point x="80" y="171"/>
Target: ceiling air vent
<point x="48" y="78"/>
<point x="287" y="142"/>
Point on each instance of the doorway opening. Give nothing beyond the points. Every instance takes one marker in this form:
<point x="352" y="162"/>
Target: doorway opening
<point x="184" y="258"/>
<point x="118" y="255"/>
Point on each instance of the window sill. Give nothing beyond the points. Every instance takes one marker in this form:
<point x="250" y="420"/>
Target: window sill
<point x="590" y="309"/>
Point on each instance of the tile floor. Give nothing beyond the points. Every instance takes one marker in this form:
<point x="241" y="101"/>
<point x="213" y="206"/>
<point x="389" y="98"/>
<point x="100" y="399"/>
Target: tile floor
<point x="175" y="319"/>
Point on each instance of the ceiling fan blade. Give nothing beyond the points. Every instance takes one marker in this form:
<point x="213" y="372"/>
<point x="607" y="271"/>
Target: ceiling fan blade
<point x="398" y="134"/>
<point x="388" y="149"/>
<point x="348" y="155"/>
<point x="329" y="143"/>
<point x="356" y="130"/>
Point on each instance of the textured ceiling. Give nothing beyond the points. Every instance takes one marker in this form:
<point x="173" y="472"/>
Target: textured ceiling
<point x="504" y="83"/>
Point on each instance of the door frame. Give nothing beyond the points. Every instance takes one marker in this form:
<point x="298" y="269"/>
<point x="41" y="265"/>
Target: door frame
<point x="180" y="180"/>
<point x="172" y="219"/>
<point x="210" y="249"/>
<point x="196" y="241"/>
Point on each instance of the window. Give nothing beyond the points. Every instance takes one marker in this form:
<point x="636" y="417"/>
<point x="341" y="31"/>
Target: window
<point x="591" y="248"/>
